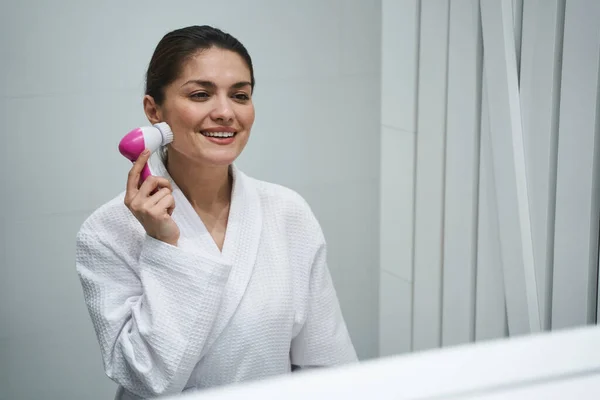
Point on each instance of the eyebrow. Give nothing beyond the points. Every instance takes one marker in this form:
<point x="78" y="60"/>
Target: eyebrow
<point x="209" y="84"/>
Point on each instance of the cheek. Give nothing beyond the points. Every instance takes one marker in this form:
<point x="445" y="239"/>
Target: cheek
<point x="247" y="117"/>
<point x="189" y="114"/>
<point x="183" y="118"/>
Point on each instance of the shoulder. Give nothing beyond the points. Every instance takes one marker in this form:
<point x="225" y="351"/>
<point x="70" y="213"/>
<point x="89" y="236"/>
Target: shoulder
<point x="290" y="209"/>
<point x="276" y="195"/>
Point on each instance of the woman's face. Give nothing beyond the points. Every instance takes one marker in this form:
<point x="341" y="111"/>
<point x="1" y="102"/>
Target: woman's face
<point x="209" y="108"/>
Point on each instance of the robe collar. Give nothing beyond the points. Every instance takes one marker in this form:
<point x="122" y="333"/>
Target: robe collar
<point x="242" y="237"/>
<point x="244" y="215"/>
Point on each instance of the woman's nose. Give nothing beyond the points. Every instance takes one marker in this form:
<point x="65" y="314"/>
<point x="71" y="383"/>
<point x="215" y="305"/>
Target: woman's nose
<point x="223" y="110"/>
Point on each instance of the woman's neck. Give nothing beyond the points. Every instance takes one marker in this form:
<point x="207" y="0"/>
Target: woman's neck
<point x="207" y="188"/>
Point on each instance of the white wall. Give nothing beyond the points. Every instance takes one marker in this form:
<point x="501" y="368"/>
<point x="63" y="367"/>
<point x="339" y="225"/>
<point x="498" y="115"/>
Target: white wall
<point x="72" y="84"/>
<point x="490" y="185"/>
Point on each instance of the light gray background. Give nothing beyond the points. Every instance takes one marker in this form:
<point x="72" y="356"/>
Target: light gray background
<point x="72" y="84"/>
<point x="369" y="109"/>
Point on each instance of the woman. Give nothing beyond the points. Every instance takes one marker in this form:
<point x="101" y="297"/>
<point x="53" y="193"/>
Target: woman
<point x="202" y="276"/>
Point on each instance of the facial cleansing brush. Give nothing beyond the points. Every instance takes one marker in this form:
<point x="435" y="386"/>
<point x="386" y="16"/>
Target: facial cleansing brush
<point x="145" y="137"/>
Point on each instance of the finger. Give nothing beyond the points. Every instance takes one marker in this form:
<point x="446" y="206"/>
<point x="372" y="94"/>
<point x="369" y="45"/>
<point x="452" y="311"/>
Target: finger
<point x="133" y="178"/>
<point x="153" y="183"/>
<point x="158" y="196"/>
<point x="165" y="204"/>
<point x="141" y="160"/>
<point x="172" y="208"/>
<point x="146" y="203"/>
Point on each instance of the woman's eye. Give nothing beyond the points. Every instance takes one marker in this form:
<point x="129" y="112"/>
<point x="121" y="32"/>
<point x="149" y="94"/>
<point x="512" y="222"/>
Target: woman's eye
<point x="242" y="96"/>
<point x="199" y="95"/>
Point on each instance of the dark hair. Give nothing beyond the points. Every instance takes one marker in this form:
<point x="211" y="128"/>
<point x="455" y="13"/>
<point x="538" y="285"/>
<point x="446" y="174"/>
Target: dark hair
<point x="176" y="47"/>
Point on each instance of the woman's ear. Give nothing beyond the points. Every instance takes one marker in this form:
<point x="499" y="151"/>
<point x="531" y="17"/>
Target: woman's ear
<point x="152" y="110"/>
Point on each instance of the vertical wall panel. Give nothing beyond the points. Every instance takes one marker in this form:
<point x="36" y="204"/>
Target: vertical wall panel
<point x="395" y="313"/>
<point x="506" y="223"/>
<point x="400" y="24"/>
<point x="598" y="265"/>
<point x="462" y="167"/>
<point x="577" y="205"/>
<point x="397" y="193"/>
<point x="518" y="29"/>
<point x="509" y="167"/>
<point x="430" y="174"/>
<point x="490" y="308"/>
<point x="540" y="95"/>
<point x="400" y="37"/>
<point x="398" y="100"/>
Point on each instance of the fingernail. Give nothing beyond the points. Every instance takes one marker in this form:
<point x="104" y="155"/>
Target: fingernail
<point x="146" y="152"/>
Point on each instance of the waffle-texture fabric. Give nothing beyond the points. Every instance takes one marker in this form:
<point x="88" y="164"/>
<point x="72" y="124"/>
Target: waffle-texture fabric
<point x="170" y="319"/>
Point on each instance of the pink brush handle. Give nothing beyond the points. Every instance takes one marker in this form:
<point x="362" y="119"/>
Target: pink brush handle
<point x="145" y="173"/>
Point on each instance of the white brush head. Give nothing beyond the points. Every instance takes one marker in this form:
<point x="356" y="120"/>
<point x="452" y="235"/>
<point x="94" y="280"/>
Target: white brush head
<point x="165" y="130"/>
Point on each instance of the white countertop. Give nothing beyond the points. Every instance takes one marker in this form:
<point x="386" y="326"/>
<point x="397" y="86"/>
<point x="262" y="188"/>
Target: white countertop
<point x="559" y="365"/>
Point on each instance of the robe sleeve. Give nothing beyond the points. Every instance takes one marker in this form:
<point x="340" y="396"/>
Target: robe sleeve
<point x="323" y="339"/>
<point x="151" y="319"/>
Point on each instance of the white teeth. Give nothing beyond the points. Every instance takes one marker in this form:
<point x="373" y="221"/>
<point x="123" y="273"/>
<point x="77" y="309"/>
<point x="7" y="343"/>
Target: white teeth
<point x="218" y="134"/>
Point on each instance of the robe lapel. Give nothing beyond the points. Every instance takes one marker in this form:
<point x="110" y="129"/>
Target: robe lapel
<point x="194" y="236"/>
<point x="240" y="248"/>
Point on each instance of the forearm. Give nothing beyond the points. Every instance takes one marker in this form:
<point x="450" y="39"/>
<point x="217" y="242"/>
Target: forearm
<point x="152" y="330"/>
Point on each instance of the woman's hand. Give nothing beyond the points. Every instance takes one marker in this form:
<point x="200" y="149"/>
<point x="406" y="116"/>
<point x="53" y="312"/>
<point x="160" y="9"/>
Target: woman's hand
<point x="152" y="203"/>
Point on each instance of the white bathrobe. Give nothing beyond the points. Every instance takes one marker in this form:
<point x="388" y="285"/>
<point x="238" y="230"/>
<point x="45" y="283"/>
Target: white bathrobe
<point x="171" y="319"/>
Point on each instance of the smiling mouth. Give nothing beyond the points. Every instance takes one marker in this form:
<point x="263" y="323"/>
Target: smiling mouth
<point x="223" y="135"/>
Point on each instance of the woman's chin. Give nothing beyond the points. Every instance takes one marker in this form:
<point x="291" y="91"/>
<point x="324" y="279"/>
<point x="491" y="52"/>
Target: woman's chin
<point x="220" y="157"/>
